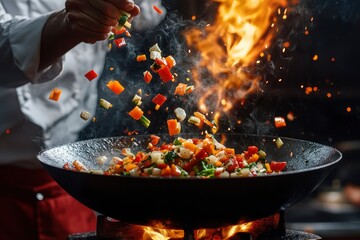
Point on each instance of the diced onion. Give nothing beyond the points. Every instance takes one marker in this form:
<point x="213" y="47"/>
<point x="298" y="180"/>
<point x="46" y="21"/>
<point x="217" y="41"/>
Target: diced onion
<point x="101" y="160"/>
<point x="180" y="114"/>
<point x="155" y="54"/>
<point x="155" y="156"/>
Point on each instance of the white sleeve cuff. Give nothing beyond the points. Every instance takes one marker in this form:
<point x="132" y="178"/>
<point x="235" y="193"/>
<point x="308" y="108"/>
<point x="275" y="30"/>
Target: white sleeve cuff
<point x="25" y="40"/>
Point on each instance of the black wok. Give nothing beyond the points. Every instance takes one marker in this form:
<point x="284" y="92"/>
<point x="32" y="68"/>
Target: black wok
<point x="189" y="202"/>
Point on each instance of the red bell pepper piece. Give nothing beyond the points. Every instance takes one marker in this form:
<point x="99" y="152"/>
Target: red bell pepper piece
<point x="159" y="99"/>
<point x="120" y="42"/>
<point x="277" y="166"/>
<point x="91" y="75"/>
<point x="165" y="74"/>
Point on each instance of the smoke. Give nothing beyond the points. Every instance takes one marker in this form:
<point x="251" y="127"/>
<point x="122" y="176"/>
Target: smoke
<point x="121" y="65"/>
<point x="254" y="115"/>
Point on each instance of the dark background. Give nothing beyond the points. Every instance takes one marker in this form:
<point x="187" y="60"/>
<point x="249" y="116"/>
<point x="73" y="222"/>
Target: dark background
<point x="334" y="35"/>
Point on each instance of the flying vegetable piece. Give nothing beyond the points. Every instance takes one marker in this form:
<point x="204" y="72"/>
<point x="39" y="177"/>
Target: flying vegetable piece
<point x="141" y="58"/>
<point x="279" y="142"/>
<point x="147" y="76"/>
<point x="180" y="114"/>
<point x="137" y="100"/>
<point x="85" y="115"/>
<point x="165" y="74"/>
<point x="55" y="94"/>
<point x="120" y="42"/>
<point x="279" y="122"/>
<point x="174" y="127"/>
<point x="180" y="89"/>
<point x="105" y="104"/>
<point x="115" y="86"/>
<point x="123" y="20"/>
<point x="157" y="9"/>
<point x="91" y="75"/>
<point x="170" y="61"/>
<point x="136" y="113"/>
<point x="159" y="100"/>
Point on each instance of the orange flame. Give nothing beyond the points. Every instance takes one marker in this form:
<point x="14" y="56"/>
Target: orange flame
<point x="231" y="45"/>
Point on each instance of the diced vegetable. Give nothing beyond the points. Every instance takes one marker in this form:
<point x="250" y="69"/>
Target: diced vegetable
<point x="155" y="47"/>
<point x="180" y="114"/>
<point x="279" y="122"/>
<point x="174" y="127"/>
<point x="165" y="74"/>
<point x="91" y="75"/>
<point x="115" y="86"/>
<point x="144" y="121"/>
<point x="147" y="76"/>
<point x="170" y="61"/>
<point x="118" y="30"/>
<point x="277" y="166"/>
<point x="157" y="9"/>
<point x="122" y="20"/>
<point x="137" y="100"/>
<point x="120" y="42"/>
<point x="194" y="120"/>
<point x="55" y="94"/>
<point x="180" y="89"/>
<point x="159" y="99"/>
<point x="79" y="166"/>
<point x="193" y="157"/>
<point x="101" y="160"/>
<point x="105" y="104"/>
<point x="136" y="113"/>
<point x="279" y="142"/>
<point x="85" y="115"/>
<point x="141" y="58"/>
<point x="155" y="54"/>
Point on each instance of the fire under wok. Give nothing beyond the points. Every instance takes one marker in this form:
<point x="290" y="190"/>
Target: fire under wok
<point x="191" y="203"/>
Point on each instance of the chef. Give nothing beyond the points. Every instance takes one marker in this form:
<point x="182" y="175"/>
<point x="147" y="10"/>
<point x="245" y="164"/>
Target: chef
<point x="44" y="45"/>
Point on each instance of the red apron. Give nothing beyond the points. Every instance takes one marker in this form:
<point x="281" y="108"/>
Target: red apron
<point x="33" y="206"/>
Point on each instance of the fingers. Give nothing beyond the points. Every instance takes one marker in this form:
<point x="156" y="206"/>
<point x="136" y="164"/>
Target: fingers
<point x="92" y="20"/>
<point x="126" y="5"/>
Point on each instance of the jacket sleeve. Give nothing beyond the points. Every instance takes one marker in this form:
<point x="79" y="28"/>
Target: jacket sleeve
<point x="20" y="40"/>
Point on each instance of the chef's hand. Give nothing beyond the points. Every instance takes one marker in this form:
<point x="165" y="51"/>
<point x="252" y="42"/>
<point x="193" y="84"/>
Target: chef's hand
<point x="92" y="20"/>
<point x="86" y="21"/>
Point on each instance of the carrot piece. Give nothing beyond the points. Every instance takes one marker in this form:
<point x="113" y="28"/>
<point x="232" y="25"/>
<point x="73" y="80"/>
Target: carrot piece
<point x="189" y="145"/>
<point x="279" y="122"/>
<point x="170" y="61"/>
<point x="166" y="171"/>
<point x="230" y="151"/>
<point x="115" y="86"/>
<point x="180" y="89"/>
<point x="154" y="139"/>
<point x="175" y="171"/>
<point x="141" y="58"/>
<point x="130" y="166"/>
<point x="136" y="113"/>
<point x="157" y="9"/>
<point x="174" y="126"/>
<point x="55" y="94"/>
<point x="253" y="158"/>
<point x="91" y="75"/>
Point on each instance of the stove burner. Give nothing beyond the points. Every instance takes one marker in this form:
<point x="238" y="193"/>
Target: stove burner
<point x="289" y="235"/>
<point x="269" y="228"/>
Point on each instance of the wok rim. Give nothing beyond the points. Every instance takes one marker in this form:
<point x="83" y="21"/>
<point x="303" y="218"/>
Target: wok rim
<point x="337" y="156"/>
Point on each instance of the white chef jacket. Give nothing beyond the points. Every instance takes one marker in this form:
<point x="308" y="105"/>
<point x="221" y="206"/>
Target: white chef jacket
<point x="29" y="121"/>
